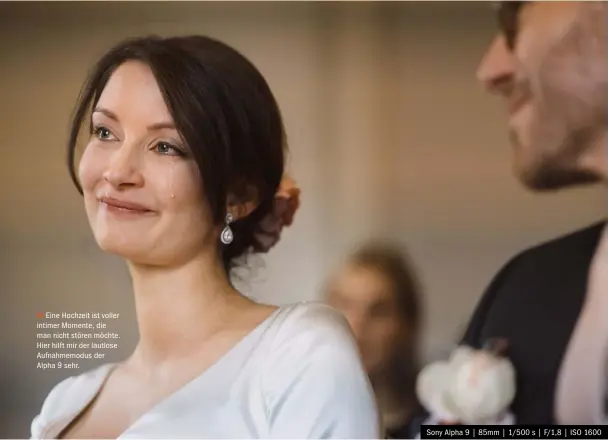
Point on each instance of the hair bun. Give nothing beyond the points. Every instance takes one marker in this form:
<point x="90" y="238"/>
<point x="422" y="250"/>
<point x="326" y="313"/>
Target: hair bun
<point x="286" y="203"/>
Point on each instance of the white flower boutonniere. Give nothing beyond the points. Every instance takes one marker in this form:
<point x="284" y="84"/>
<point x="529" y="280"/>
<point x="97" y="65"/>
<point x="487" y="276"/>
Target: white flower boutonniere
<point x="474" y="387"/>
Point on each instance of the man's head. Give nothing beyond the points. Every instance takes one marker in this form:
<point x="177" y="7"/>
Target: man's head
<point x="549" y="63"/>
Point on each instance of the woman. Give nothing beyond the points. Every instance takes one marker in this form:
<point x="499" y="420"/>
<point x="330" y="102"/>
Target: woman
<point x="377" y="292"/>
<point x="184" y="157"/>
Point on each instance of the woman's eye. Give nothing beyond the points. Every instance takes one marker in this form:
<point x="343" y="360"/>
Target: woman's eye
<point x="167" y="149"/>
<point x="103" y="134"/>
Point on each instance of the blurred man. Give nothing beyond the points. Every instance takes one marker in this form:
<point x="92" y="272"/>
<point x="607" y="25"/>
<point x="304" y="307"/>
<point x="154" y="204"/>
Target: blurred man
<point x="550" y="302"/>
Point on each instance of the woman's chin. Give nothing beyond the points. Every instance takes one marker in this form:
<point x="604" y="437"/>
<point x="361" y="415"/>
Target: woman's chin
<point x="141" y="254"/>
<point x="125" y="248"/>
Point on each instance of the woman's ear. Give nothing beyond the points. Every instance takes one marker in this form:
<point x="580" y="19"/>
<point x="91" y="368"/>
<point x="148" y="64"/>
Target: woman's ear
<point x="241" y="210"/>
<point x="240" y="206"/>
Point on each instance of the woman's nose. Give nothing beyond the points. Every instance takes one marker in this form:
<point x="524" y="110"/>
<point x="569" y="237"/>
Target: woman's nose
<point x="124" y="168"/>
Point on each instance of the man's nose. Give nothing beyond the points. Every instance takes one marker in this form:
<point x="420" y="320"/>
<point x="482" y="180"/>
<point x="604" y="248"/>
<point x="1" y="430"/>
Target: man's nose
<point x="496" y="71"/>
<point x="123" y="170"/>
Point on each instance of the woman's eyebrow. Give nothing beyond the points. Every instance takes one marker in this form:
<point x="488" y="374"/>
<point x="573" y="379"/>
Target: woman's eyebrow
<point x="105" y="111"/>
<point x="151" y="127"/>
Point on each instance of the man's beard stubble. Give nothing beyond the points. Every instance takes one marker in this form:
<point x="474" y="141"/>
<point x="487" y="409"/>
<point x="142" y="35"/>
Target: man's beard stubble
<point x="557" y="169"/>
<point x="569" y="111"/>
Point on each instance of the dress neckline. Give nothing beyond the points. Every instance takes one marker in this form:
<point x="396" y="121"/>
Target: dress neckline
<point x="101" y="375"/>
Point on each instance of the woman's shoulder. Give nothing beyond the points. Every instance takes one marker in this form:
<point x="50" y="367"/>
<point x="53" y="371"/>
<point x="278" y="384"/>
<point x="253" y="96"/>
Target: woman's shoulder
<point x="67" y="396"/>
<point x="311" y="321"/>
<point x="314" y="364"/>
<point x="311" y="340"/>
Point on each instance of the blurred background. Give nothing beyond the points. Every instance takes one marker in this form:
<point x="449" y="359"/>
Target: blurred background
<point x="390" y="137"/>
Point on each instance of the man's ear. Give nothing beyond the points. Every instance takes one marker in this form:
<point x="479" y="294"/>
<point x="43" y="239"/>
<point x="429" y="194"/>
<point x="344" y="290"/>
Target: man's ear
<point x="240" y="206"/>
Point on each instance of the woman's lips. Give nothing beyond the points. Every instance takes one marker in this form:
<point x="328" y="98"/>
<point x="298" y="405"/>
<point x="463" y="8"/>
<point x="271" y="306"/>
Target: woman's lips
<point x="123" y="206"/>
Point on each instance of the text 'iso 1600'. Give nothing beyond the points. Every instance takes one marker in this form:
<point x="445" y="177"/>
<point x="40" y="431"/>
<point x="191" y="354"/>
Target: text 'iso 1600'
<point x="514" y="432"/>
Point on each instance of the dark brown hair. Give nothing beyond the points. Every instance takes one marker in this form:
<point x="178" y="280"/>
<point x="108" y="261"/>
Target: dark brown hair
<point x="508" y="20"/>
<point x="394" y="264"/>
<point x="223" y="109"/>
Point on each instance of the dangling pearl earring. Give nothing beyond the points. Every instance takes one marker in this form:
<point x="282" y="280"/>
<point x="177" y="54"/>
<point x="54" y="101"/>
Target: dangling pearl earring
<point x="227" y="236"/>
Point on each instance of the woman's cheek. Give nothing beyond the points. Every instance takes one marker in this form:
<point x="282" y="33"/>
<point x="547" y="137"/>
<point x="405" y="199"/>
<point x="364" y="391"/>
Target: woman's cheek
<point x="183" y="184"/>
<point x="90" y="168"/>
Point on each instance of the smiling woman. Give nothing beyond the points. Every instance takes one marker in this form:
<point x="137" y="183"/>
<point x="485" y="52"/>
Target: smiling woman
<point x="179" y="175"/>
<point x="203" y="128"/>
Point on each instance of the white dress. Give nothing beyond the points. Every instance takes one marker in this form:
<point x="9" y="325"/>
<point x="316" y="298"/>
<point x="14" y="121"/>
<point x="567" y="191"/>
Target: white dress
<point x="296" y="375"/>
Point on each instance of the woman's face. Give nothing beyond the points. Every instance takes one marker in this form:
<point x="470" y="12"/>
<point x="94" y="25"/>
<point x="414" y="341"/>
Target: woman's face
<point x="142" y="191"/>
<point x="368" y="301"/>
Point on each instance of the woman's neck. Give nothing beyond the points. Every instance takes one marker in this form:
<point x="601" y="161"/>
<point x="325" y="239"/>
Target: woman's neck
<point x="394" y="408"/>
<point x="178" y="307"/>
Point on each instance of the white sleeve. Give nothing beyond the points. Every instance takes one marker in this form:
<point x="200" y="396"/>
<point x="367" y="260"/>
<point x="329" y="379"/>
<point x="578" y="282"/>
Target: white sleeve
<point x="52" y="404"/>
<point x="67" y="397"/>
<point x="315" y="382"/>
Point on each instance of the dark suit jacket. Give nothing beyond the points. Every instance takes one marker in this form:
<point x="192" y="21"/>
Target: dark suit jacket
<point x="534" y="302"/>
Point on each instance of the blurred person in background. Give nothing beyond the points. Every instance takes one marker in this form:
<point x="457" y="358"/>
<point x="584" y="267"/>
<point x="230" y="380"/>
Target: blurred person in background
<point x="378" y="292"/>
<point x="550" y="302"/>
<point x="184" y="159"/>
